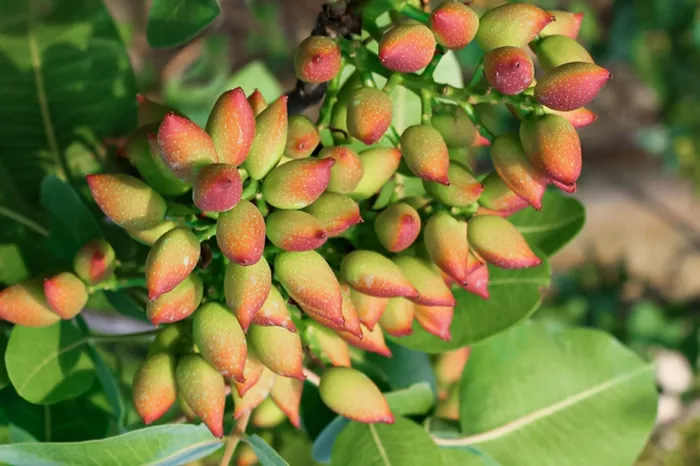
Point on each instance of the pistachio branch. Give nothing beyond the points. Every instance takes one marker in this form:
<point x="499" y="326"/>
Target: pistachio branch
<point x="235" y="437"/>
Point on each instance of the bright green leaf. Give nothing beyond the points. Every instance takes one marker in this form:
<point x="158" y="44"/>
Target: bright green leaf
<point x="416" y="399"/>
<point x="467" y="456"/>
<point x="265" y="453"/>
<point x="174" y="22"/>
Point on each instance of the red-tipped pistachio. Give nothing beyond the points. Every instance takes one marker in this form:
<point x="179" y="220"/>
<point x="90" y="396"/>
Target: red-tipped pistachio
<point x="369" y="114"/>
<point x="352" y="394"/>
<point x="369" y="308"/>
<point x="278" y="349"/>
<point x="65" y="294"/>
<point x="150" y="112"/>
<point x="352" y="320"/>
<point x="24" y="304"/>
<point x="274" y="312"/>
<point x="184" y="146"/>
<point x="565" y="23"/>
<point x="246" y="288"/>
<point x="294" y="230"/>
<point x="203" y="389"/>
<point x="379" y="166"/>
<point x="317" y="60"/>
<point x="500" y="243"/>
<point x="407" y="47"/>
<point x="555" y="51"/>
<point x="397" y="226"/>
<point x="370" y="340"/>
<point x="435" y="320"/>
<point x="578" y="118"/>
<point x="448" y="368"/>
<point x="445" y="239"/>
<point x="514" y="24"/>
<point x="371" y="273"/>
<point x="173" y="339"/>
<point x="497" y="196"/>
<point x="509" y="70"/>
<point x="220" y="340"/>
<point x="217" y="188"/>
<point x="311" y="283"/>
<point x="455" y="127"/>
<point x="95" y="261"/>
<point x="240" y="233"/>
<point x="425" y="153"/>
<point x="270" y="140"/>
<point x="335" y="213"/>
<point x="552" y="143"/>
<point x="432" y="290"/>
<point x="127" y="201"/>
<point x="347" y="171"/>
<point x="150" y="236"/>
<point x="397" y="319"/>
<point x="171" y="259"/>
<point x="462" y="191"/>
<point x="327" y="345"/>
<point x="286" y="394"/>
<point x="178" y="303"/>
<point x="478" y="282"/>
<point x="514" y="168"/>
<point x="257" y="102"/>
<point x="231" y="125"/>
<point x="571" y="86"/>
<point x="252" y="373"/>
<point x="255" y="395"/>
<point x="454" y="24"/>
<point x="297" y="184"/>
<point x="154" y="387"/>
<point x="302" y="137"/>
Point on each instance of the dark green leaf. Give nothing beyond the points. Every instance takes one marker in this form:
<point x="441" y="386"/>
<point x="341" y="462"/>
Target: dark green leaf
<point x="4" y="378"/>
<point x="125" y="304"/>
<point x="323" y="445"/>
<point x="315" y="415"/>
<point x="174" y="22"/>
<point x="265" y="453"/>
<point x="416" y="399"/>
<point x="404" y="368"/>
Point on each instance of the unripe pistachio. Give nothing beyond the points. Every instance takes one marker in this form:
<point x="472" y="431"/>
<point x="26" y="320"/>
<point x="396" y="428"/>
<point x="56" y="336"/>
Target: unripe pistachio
<point x="448" y="368"/>
<point x="462" y="191"/>
<point x="448" y="407"/>
<point x="335" y="213"/>
<point x="173" y="339"/>
<point x="294" y="230"/>
<point x="298" y="183"/>
<point x="565" y="24"/>
<point x="144" y="154"/>
<point x="217" y="188"/>
<point x="95" y="261"/>
<point x="425" y="153"/>
<point x="508" y="69"/>
<point x="578" y="118"/>
<point x="252" y="372"/>
<point x="317" y="60"/>
<point x="231" y="125"/>
<point x="514" y="168"/>
<point x="150" y="112"/>
<point x="369" y="308"/>
<point x="186" y="410"/>
<point x="514" y="24"/>
<point x="246" y="288"/>
<point x="24" y="304"/>
<point x="347" y="171"/>
<point x="150" y="236"/>
<point x="203" y="389"/>
<point x="127" y="201"/>
<point x="255" y="395"/>
<point x="220" y="340"/>
<point x="267" y="415"/>
<point x="498" y="197"/>
<point x="184" y="146"/>
<point x="274" y="312"/>
<point x="171" y="259"/>
<point x="371" y="273"/>
<point x="369" y="114"/>
<point x="278" y="349"/>
<point x="240" y="233"/>
<point x="270" y="139"/>
<point x="311" y="283"/>
<point x="352" y="320"/>
<point x="286" y="393"/>
<point x="65" y="294"/>
<point x="352" y="394"/>
<point x="397" y="319"/>
<point x="435" y="320"/>
<point x="571" y="86"/>
<point x="432" y="290"/>
<point x="327" y="345"/>
<point x="473" y="262"/>
<point x="257" y="102"/>
<point x="371" y="340"/>
<point x="454" y="24"/>
<point x="178" y="303"/>
<point x="500" y="243"/>
<point x="246" y="455"/>
<point x="379" y="164"/>
<point x="397" y="226"/>
<point x="445" y="240"/>
<point x="154" y="388"/>
<point x="552" y="143"/>
<point x="455" y="127"/>
<point x="555" y="51"/>
<point x="478" y="282"/>
<point x="407" y="47"/>
<point x="302" y="137"/>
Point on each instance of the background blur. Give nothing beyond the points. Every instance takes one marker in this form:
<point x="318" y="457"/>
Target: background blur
<point x="635" y="269"/>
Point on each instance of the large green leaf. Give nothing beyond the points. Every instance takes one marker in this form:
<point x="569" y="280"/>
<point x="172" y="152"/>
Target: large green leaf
<point x="515" y="295"/>
<point x="560" y="220"/>
<point x="466" y="457"/>
<point x="265" y="453"/>
<point x="49" y="364"/>
<point x="533" y="396"/>
<point x="404" y="368"/>
<point x="402" y="443"/>
<point x="174" y="22"/>
<point x="162" y="445"/>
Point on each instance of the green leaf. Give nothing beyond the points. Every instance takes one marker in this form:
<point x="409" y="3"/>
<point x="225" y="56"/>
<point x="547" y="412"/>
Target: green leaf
<point x="174" y="22"/>
<point x="574" y="397"/>
<point x="515" y="295"/>
<point x="402" y="443"/>
<point x="561" y="219"/>
<point x="49" y="364"/>
<point x="416" y="399"/>
<point x="4" y="378"/>
<point x="265" y="453"/>
<point x="323" y="445"/>
<point x="468" y="456"/>
<point x="404" y="368"/>
<point x="125" y="304"/>
<point x="13" y="268"/>
<point x="162" y="445"/>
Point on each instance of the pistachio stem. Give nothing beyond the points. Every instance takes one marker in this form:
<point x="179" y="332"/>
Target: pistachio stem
<point x="311" y="376"/>
<point x="324" y="116"/>
<point x="469" y="110"/>
<point x="411" y="11"/>
<point x="476" y="77"/>
<point x="105" y="338"/>
<point x="208" y="233"/>
<point x="250" y="190"/>
<point x="116" y="283"/>
<point x="233" y="439"/>
<point x="426" y="107"/>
